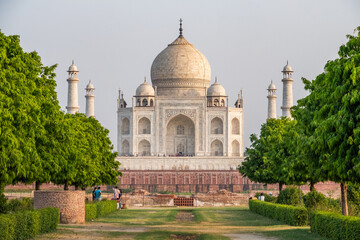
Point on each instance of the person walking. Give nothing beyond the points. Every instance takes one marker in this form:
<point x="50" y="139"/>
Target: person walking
<point x="120" y="197"/>
<point x="93" y="194"/>
<point x="116" y="192"/>
<point x="98" y="194"/>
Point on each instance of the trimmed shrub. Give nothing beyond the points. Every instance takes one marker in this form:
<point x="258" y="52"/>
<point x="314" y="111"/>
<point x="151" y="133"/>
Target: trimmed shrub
<point x="335" y="226"/>
<point x="290" y="196"/>
<point x="99" y="209"/>
<point x="315" y="201"/>
<point x="26" y="224"/>
<point x="4" y="207"/>
<point x="15" y="205"/>
<point x="295" y="216"/>
<point x="49" y="219"/>
<point x="90" y="211"/>
<point x="7" y="226"/>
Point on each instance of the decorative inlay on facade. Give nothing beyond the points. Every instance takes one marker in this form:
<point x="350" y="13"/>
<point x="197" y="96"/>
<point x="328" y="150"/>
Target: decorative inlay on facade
<point x="221" y="139"/>
<point x="191" y="113"/>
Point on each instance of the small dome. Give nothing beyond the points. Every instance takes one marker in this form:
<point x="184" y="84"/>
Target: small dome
<point x="272" y="86"/>
<point x="145" y="89"/>
<point x="216" y="90"/>
<point x="90" y="85"/>
<point x="73" y="68"/>
<point x="287" y="68"/>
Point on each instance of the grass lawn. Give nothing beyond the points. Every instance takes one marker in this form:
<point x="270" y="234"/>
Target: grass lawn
<point x="183" y="223"/>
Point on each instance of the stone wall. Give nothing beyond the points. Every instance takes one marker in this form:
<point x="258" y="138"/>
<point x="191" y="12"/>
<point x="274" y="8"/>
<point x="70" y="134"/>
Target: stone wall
<point x="71" y="204"/>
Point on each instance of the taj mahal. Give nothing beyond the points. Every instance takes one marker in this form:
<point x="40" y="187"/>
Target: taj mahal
<point x="181" y="133"/>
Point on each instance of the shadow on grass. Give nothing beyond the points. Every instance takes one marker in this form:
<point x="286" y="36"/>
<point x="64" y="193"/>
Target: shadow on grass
<point x="133" y="217"/>
<point x="233" y="217"/>
<point x="293" y="234"/>
<point x="178" y="236"/>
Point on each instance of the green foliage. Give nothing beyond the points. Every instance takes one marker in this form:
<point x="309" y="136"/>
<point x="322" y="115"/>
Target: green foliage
<point x="290" y="196"/>
<point x="268" y="198"/>
<point x="354" y="199"/>
<point x="335" y="226"/>
<point x="271" y="157"/>
<point x="295" y="216"/>
<point x="38" y="142"/>
<point x="314" y="200"/>
<point x="27" y="224"/>
<point x="99" y="209"/>
<point x="4" y="207"/>
<point x="90" y="211"/>
<point x="331" y="113"/>
<point x="86" y="156"/>
<point x="354" y="193"/>
<point x="15" y="205"/>
<point x="28" y="102"/>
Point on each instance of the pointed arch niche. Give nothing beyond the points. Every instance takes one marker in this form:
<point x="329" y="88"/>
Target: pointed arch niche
<point x="180" y="136"/>
<point x="235" y="126"/>
<point x="235" y="146"/>
<point x="125" y="126"/>
<point x="216" y="148"/>
<point x="216" y="126"/>
<point x="144" y="126"/>
<point x="144" y="148"/>
<point x="125" y="147"/>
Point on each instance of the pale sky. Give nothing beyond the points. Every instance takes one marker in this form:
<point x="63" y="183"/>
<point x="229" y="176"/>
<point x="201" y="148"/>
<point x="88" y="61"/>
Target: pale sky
<point x="247" y="44"/>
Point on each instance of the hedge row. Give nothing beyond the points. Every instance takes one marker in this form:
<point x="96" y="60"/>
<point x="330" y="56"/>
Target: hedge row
<point x="335" y="226"/>
<point x="99" y="209"/>
<point x="295" y="216"/>
<point x="27" y="224"/>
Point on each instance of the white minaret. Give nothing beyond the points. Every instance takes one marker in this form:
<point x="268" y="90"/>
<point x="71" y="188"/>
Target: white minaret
<point x="271" y="101"/>
<point x="73" y="99"/>
<point x="287" y="90"/>
<point x="90" y="97"/>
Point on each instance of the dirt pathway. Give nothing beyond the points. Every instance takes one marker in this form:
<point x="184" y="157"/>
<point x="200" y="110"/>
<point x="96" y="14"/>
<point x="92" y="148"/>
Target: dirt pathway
<point x="248" y="236"/>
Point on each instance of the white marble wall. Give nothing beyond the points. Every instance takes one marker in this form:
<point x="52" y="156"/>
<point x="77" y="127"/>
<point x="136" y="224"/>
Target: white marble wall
<point x="179" y="163"/>
<point x="193" y="108"/>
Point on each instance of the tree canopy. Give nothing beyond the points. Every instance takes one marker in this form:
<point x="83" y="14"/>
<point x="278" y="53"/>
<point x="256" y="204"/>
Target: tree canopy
<point x="271" y="158"/>
<point x="332" y="112"/>
<point x="38" y="142"/>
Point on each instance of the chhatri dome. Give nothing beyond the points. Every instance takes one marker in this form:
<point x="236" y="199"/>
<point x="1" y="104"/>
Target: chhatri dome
<point x="181" y="69"/>
<point x="73" y="67"/>
<point x="216" y="90"/>
<point x="145" y="89"/>
<point x="272" y="86"/>
<point x="287" y="67"/>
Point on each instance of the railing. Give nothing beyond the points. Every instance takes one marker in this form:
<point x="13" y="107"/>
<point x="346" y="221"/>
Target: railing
<point x="184" y="201"/>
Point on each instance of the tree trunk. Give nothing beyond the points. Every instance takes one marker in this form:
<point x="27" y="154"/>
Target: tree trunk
<point x="77" y="186"/>
<point x="344" y="206"/>
<point x="37" y="185"/>
<point x="280" y="187"/>
<point x="312" y="186"/>
<point x="66" y="185"/>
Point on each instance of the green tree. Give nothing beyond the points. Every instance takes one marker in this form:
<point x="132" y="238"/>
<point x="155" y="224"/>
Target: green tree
<point x="27" y="101"/>
<point x="270" y="159"/>
<point x="85" y="154"/>
<point x="334" y="108"/>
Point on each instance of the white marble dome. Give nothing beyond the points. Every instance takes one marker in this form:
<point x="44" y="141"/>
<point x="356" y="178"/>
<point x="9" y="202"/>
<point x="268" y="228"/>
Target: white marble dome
<point x="272" y="86"/>
<point x="180" y="65"/>
<point x="287" y="68"/>
<point x="73" y="68"/>
<point x="216" y="90"/>
<point x="90" y="85"/>
<point x="145" y="89"/>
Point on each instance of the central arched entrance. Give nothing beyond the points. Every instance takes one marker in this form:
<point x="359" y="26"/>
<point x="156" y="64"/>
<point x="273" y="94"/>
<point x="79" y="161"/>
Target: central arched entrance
<point x="180" y="136"/>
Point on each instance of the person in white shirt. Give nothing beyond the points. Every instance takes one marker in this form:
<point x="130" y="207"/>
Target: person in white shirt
<point x="261" y="197"/>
